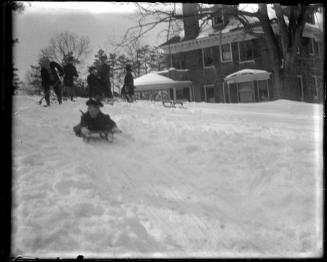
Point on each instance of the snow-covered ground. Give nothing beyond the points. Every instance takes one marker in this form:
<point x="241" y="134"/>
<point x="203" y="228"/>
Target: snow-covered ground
<point x="208" y="180"/>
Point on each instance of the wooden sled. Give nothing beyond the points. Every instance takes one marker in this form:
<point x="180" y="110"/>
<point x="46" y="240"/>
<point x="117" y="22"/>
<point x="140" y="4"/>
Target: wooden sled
<point x="173" y="103"/>
<point x="99" y="135"/>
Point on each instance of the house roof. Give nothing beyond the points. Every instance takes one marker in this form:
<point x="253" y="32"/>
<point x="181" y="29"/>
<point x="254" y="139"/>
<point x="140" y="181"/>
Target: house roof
<point x="232" y="32"/>
<point x="154" y="81"/>
<point x="246" y="75"/>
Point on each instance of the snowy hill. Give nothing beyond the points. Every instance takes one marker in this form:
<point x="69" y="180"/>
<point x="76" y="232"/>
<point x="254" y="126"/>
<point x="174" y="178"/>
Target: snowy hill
<point x="209" y="180"/>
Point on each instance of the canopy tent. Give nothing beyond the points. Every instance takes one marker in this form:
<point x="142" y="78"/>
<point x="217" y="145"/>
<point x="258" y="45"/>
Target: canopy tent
<point x="154" y="81"/>
<point x="247" y="75"/>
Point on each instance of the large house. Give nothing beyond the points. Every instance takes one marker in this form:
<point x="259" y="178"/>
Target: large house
<point x="226" y="64"/>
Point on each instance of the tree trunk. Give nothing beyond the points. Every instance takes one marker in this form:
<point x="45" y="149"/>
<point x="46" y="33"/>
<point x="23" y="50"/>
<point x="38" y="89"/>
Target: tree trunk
<point x="290" y="86"/>
<point x="273" y="49"/>
<point x="277" y="84"/>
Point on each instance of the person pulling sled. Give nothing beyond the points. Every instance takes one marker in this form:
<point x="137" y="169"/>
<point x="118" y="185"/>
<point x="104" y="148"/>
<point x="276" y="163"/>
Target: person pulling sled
<point x="50" y="79"/>
<point x="95" y="124"/>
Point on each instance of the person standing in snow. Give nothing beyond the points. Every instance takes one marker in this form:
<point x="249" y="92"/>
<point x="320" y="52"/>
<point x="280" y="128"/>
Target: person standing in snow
<point x="129" y="84"/>
<point x="95" y="85"/>
<point x="50" y="79"/>
<point x="69" y="73"/>
<point x="123" y="93"/>
<point x="95" y="120"/>
<point x="104" y="75"/>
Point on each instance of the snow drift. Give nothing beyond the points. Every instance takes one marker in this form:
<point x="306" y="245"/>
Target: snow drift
<point x="211" y="180"/>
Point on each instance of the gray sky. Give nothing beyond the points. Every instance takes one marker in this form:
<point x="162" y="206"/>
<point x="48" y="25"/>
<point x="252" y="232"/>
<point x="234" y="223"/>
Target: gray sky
<point x="103" y="22"/>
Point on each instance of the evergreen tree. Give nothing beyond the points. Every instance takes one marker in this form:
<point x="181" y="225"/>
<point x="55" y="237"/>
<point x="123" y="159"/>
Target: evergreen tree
<point x="34" y="79"/>
<point x="100" y="57"/>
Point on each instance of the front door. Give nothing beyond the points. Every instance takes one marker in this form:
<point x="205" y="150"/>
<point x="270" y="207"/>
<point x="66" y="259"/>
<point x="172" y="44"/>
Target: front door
<point x="245" y="92"/>
<point x="209" y="93"/>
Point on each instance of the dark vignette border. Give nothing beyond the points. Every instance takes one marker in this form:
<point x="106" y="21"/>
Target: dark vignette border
<point x="6" y="130"/>
<point x="6" y="142"/>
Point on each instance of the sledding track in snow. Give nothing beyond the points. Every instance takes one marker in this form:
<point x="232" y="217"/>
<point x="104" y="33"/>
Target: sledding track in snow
<point x="208" y="180"/>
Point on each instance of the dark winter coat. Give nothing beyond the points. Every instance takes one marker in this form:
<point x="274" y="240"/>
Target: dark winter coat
<point x="96" y="87"/>
<point x="50" y="77"/>
<point x="129" y="83"/>
<point x="104" y="74"/>
<point x="101" y="122"/>
<point x="70" y="72"/>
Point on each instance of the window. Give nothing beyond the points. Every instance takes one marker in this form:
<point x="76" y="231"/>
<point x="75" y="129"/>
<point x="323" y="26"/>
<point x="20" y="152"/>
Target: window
<point x="246" y="52"/>
<point x="298" y="50"/>
<point x="218" y="18"/>
<point x="317" y="85"/>
<point x="311" y="18"/>
<point x="299" y="81"/>
<point x="208" y="56"/>
<point x="314" y="47"/>
<point x="263" y="91"/>
<point x="179" y="61"/>
<point x="226" y="53"/>
<point x="179" y="64"/>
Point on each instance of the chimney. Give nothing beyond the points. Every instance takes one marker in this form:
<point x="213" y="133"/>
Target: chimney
<point x="191" y="21"/>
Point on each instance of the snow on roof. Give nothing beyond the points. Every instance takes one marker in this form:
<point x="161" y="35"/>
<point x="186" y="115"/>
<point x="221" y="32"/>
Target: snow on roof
<point x="205" y="29"/>
<point x="152" y="78"/>
<point x="234" y="24"/>
<point x="154" y="81"/>
<point x="246" y="75"/>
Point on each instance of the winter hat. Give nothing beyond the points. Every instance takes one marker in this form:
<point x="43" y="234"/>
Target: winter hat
<point x="93" y="102"/>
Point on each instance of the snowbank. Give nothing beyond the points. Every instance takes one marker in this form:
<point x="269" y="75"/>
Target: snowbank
<point x="211" y="180"/>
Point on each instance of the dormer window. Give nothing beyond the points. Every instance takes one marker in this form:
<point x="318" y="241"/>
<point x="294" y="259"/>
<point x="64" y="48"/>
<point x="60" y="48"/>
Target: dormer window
<point x="218" y="18"/>
<point x="311" y="19"/>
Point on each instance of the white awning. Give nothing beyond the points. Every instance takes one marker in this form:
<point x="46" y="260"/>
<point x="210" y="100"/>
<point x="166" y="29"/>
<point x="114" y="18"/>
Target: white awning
<point x="247" y="75"/>
<point x="154" y="81"/>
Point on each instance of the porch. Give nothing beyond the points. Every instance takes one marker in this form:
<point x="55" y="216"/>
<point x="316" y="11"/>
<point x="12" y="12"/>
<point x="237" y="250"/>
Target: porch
<point x="246" y="86"/>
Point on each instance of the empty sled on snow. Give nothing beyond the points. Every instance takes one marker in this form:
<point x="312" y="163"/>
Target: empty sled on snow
<point x="173" y="103"/>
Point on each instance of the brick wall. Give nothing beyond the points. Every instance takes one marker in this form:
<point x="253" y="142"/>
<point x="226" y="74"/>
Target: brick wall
<point x="306" y="65"/>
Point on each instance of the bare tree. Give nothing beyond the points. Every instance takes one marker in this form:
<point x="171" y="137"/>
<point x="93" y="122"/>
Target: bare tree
<point x="282" y="48"/>
<point x="149" y="16"/>
<point x="65" y="44"/>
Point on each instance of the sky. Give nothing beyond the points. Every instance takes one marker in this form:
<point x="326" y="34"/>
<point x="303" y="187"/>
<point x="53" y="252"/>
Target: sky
<point x="103" y="22"/>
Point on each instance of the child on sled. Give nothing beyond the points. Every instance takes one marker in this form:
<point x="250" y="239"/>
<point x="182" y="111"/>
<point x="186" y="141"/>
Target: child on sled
<point x="94" y="121"/>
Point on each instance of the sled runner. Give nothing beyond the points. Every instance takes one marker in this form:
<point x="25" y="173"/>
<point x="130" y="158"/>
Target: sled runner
<point x="99" y="135"/>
